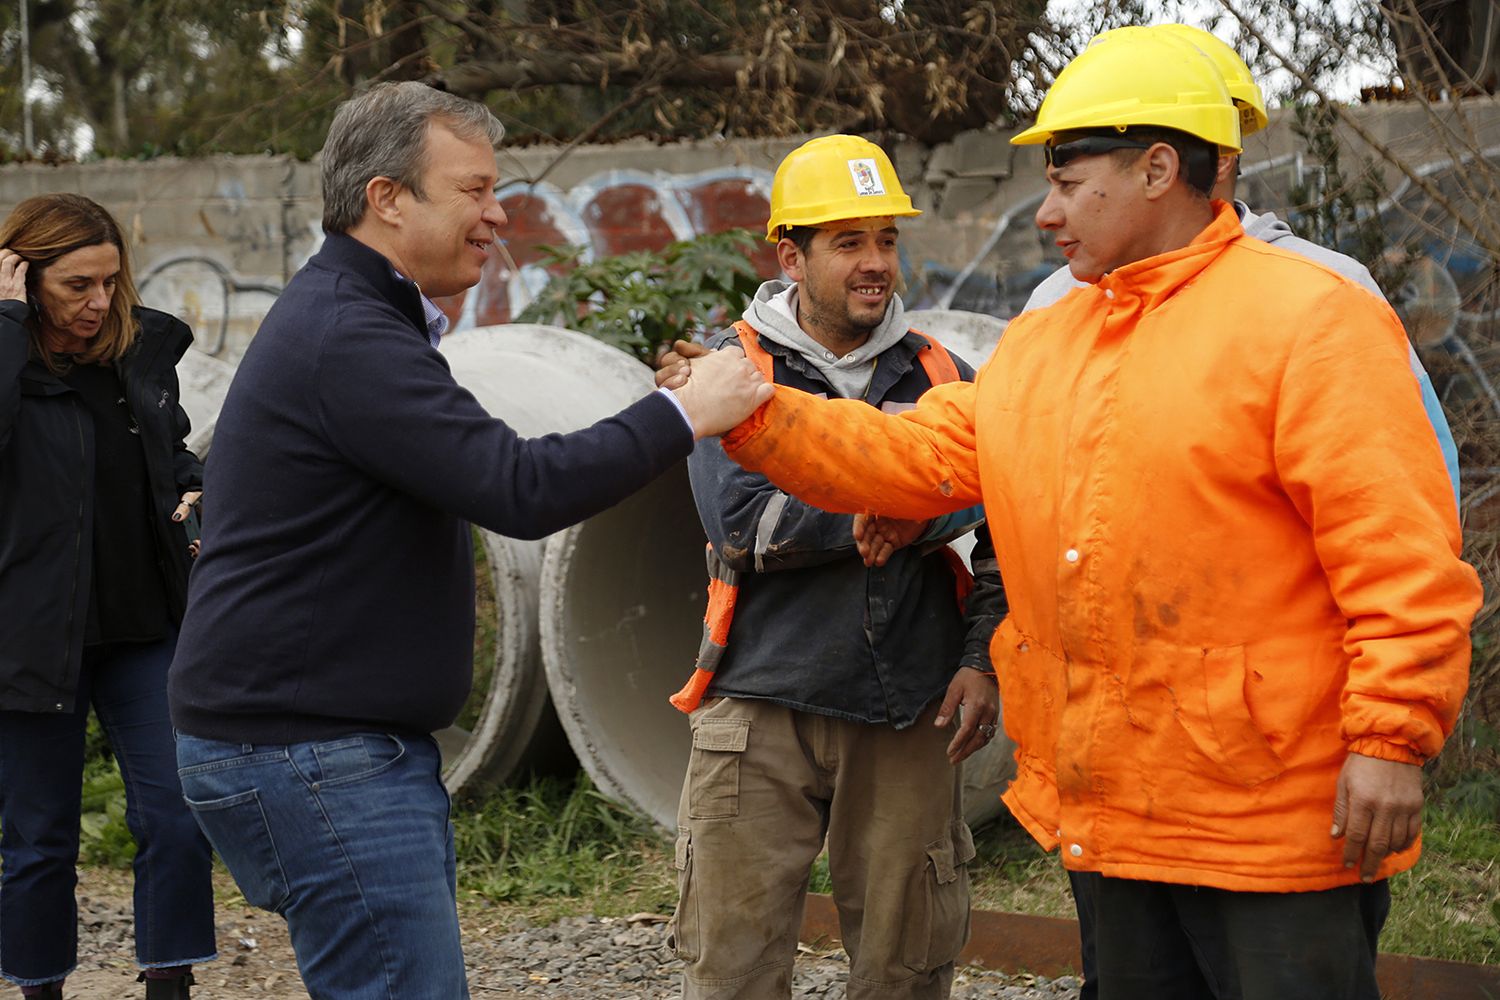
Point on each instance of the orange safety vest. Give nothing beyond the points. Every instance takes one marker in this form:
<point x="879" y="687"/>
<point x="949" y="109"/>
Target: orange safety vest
<point x="724" y="580"/>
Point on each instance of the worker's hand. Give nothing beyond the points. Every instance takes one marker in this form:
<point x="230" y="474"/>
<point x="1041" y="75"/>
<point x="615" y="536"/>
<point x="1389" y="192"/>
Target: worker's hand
<point x="878" y="537"/>
<point x="672" y="368"/>
<point x="725" y="388"/>
<point x="12" y="275"/>
<point x="1377" y="810"/>
<point x="979" y="698"/>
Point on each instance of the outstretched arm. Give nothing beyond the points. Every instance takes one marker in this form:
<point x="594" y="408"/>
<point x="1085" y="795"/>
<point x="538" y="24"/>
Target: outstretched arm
<point x="844" y="455"/>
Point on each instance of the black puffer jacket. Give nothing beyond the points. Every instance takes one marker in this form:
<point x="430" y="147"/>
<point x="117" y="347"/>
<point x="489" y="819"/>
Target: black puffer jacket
<point x="47" y="501"/>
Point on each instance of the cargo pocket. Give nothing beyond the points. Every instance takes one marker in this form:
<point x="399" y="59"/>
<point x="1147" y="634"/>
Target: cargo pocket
<point x="714" y="770"/>
<point x="937" y="923"/>
<point x="682" y="931"/>
<point x="236" y="827"/>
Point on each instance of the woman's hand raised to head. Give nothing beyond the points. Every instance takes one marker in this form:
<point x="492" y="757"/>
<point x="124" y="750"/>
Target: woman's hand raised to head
<point x="12" y="275"/>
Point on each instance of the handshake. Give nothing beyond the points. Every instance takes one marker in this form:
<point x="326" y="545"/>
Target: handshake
<point x="717" y="389"/>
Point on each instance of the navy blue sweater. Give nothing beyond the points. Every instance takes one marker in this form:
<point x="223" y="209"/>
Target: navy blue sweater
<point x="335" y="590"/>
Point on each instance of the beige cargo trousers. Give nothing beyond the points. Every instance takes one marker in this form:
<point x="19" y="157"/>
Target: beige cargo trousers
<point x="766" y="786"/>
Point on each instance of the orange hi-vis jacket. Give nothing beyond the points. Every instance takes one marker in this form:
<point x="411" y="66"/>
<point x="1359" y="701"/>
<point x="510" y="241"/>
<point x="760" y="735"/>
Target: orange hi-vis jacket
<point x="1229" y="544"/>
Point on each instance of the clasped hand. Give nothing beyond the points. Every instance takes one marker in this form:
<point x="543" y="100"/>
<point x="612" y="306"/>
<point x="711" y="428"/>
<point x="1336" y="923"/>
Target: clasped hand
<point x="725" y="388"/>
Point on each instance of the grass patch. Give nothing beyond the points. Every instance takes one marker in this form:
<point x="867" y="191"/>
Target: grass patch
<point x="1448" y="906"/>
<point x="1012" y="874"/>
<point x="485" y="633"/>
<point x="104" y="840"/>
<point x="556" y="848"/>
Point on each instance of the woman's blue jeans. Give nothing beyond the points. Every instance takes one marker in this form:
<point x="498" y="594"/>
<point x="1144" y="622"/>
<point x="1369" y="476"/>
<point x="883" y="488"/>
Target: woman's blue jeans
<point x="349" y="839"/>
<point x="41" y="779"/>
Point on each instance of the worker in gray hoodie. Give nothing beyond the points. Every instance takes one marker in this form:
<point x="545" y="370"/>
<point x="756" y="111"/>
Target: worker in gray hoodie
<point x="835" y="694"/>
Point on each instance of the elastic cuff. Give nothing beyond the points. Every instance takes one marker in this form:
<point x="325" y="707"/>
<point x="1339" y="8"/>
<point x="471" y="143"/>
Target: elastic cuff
<point x="1380" y="749"/>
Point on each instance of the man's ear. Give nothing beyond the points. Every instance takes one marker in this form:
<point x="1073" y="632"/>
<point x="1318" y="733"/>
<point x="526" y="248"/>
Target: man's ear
<point x="789" y="256"/>
<point x="1162" y="166"/>
<point x="380" y="200"/>
<point x="1227" y="169"/>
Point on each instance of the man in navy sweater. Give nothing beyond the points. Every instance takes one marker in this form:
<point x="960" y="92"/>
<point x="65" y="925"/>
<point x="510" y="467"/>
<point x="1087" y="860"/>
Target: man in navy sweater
<point x="330" y="618"/>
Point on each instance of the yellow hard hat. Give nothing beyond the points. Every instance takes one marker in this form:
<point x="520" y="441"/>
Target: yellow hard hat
<point x="834" y="177"/>
<point x="1137" y="76"/>
<point x="1242" y="86"/>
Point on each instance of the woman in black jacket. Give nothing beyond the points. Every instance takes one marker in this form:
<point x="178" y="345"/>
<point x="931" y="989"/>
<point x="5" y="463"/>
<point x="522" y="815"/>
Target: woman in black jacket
<point x="96" y="488"/>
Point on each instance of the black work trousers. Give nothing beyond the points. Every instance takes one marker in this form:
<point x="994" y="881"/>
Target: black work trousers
<point x="1159" y="941"/>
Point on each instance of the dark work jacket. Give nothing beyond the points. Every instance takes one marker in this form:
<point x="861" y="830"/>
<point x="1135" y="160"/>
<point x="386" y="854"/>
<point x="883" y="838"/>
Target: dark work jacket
<point x="335" y="589"/>
<point x="813" y="628"/>
<point x="47" y="501"/>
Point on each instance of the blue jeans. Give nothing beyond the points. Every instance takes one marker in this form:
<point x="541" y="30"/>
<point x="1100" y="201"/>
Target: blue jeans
<point x="349" y="839"/>
<point x="41" y="778"/>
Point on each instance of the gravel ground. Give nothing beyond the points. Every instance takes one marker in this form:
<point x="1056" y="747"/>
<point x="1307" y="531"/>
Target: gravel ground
<point x="577" y="958"/>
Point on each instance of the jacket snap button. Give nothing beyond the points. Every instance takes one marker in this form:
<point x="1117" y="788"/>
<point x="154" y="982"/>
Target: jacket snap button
<point x="1076" y="850"/>
<point x="1071" y="555"/>
<point x="1023" y="648"/>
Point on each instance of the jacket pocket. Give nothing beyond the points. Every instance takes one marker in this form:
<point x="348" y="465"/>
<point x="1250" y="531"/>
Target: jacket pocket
<point x="937" y="904"/>
<point x="682" y="932"/>
<point x="1033" y="685"/>
<point x="714" y="769"/>
<point x="1203" y="689"/>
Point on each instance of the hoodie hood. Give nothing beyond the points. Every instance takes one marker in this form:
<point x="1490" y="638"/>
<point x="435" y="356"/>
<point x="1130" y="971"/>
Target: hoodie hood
<point x="1267" y="228"/>
<point x="773" y="313"/>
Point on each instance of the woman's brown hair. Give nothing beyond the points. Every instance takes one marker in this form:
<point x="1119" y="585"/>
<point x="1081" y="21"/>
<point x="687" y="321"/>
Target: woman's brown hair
<point x="49" y="226"/>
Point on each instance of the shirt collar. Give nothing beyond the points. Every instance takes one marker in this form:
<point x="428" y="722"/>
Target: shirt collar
<point x="437" y="320"/>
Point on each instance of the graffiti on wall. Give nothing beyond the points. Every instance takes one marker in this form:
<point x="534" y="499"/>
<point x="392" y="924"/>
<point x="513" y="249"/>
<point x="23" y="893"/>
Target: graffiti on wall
<point x="611" y="213"/>
<point x="206" y="294"/>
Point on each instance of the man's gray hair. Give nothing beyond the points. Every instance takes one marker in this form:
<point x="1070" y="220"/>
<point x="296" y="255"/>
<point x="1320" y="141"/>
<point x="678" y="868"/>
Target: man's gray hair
<point x="382" y="133"/>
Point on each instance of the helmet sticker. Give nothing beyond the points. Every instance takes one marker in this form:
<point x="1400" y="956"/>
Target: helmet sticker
<point x="866" y="177"/>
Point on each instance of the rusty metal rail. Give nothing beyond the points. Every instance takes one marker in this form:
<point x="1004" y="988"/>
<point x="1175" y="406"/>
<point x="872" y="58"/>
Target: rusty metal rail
<point x="1048" y="946"/>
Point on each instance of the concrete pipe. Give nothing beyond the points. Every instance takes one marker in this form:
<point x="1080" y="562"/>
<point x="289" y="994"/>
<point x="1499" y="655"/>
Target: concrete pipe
<point x="203" y="380"/>
<point x="539" y="380"/>
<point x="622" y="599"/>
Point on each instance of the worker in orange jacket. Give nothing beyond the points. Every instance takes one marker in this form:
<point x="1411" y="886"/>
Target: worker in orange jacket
<point x="1247" y="97"/>
<point x="1238" y="617"/>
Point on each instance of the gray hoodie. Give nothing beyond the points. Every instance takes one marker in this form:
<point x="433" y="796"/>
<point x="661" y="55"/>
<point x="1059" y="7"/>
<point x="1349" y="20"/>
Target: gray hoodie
<point x="773" y="313"/>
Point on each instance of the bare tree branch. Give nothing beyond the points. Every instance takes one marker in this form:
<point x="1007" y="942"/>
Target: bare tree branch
<point x="1480" y="227"/>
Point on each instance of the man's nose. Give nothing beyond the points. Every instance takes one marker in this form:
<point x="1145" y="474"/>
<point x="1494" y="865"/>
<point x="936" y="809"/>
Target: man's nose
<point x="1049" y="214"/>
<point x="875" y="261"/>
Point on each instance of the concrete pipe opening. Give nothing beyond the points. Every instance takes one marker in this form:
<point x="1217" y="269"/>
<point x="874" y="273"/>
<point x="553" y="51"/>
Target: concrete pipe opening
<point x="539" y="380"/>
<point x="621" y="611"/>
